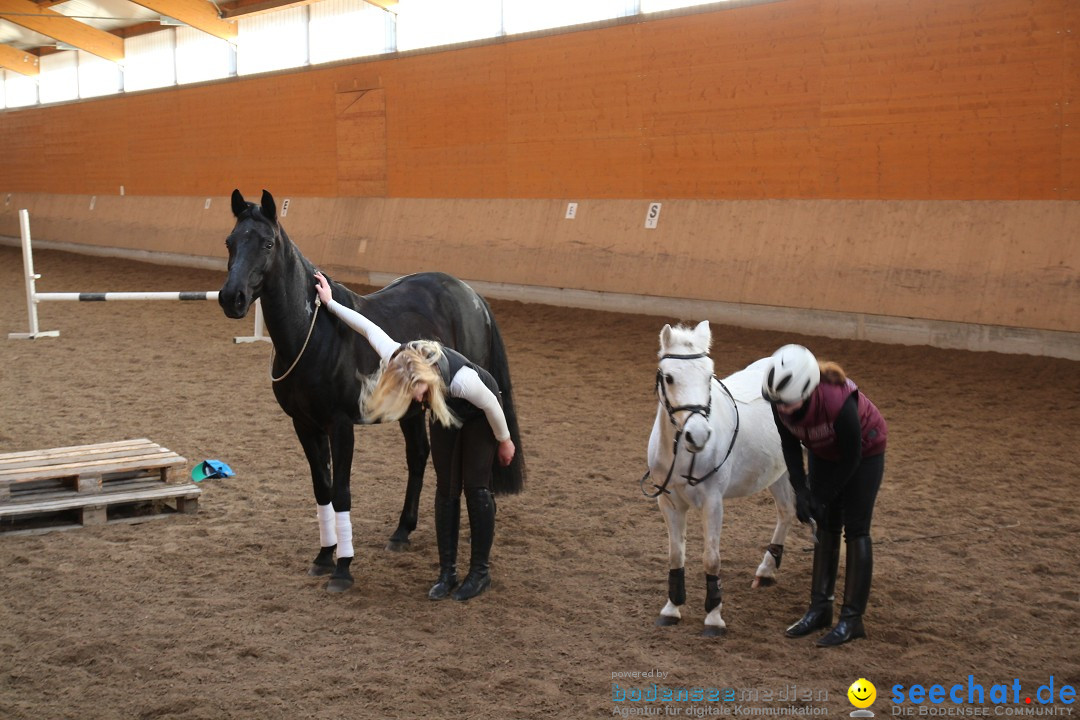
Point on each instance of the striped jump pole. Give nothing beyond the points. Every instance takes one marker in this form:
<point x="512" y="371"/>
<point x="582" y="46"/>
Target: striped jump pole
<point x="33" y="297"/>
<point x="110" y="296"/>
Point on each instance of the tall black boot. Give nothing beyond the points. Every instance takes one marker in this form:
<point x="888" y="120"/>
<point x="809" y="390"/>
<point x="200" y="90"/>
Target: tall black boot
<point x="481" y="506"/>
<point x="447" y="521"/>
<point x="860" y="569"/>
<point x="822" y="586"/>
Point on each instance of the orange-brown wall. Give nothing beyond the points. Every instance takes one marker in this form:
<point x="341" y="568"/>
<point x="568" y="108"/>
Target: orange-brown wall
<point x="905" y="99"/>
<point x="905" y="159"/>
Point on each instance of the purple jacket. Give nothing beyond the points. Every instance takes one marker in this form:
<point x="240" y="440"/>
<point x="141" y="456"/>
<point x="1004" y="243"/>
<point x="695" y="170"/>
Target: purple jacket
<point x="816" y="428"/>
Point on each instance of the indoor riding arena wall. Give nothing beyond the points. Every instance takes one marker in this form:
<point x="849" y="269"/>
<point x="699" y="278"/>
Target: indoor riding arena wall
<point x="899" y="172"/>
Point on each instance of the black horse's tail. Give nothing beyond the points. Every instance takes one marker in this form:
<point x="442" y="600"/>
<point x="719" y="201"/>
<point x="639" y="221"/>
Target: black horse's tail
<point x="510" y="479"/>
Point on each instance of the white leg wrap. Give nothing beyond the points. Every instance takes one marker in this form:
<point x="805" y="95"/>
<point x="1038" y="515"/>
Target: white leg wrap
<point x="327" y="536"/>
<point x="344" y="535"/>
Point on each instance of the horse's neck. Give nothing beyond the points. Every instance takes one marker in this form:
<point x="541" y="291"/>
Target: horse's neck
<point x="288" y="297"/>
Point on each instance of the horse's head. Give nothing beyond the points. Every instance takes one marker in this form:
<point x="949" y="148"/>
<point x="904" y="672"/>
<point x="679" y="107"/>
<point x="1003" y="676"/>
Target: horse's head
<point x="253" y="244"/>
<point x="684" y="382"/>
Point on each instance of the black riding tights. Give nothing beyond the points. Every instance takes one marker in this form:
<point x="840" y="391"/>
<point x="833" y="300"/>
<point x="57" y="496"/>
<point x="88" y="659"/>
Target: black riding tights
<point x="462" y="456"/>
<point x="851" y="505"/>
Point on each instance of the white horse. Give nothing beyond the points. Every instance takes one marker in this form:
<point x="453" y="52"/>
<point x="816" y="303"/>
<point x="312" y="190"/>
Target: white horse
<point x="711" y="440"/>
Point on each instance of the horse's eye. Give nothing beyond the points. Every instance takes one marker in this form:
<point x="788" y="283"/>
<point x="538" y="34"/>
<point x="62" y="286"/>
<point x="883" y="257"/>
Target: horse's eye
<point x="669" y="380"/>
<point x="269" y="244"/>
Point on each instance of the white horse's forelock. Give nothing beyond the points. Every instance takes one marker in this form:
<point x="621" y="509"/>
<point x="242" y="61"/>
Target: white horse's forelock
<point x="683" y="339"/>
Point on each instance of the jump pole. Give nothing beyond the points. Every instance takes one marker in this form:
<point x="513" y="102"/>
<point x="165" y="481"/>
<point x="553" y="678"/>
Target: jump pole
<point x="33" y="297"/>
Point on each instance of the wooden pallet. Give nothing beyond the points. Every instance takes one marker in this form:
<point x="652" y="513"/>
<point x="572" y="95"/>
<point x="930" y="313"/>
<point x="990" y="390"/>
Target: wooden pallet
<point x="63" y="488"/>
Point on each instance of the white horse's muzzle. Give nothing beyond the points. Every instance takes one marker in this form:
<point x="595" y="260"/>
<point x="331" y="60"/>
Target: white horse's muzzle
<point x="696" y="433"/>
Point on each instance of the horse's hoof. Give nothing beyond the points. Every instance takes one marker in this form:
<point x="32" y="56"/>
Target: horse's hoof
<point x="320" y="570"/>
<point x="763" y="582"/>
<point x="666" y="621"/>
<point x="339" y="585"/>
<point x="397" y="545"/>
<point x="713" y="631"/>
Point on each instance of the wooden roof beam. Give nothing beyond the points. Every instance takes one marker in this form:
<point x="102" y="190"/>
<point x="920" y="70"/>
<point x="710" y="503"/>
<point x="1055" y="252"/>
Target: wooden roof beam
<point x="199" y="14"/>
<point x="236" y="8"/>
<point x="18" y="61"/>
<point x="27" y="14"/>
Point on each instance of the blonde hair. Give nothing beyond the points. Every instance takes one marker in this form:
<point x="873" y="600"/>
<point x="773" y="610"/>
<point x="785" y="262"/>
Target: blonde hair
<point x="388" y="395"/>
<point x="832" y="373"/>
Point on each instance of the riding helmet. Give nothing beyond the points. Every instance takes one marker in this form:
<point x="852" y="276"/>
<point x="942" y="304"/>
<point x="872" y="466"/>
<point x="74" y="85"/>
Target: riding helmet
<point x="794" y="374"/>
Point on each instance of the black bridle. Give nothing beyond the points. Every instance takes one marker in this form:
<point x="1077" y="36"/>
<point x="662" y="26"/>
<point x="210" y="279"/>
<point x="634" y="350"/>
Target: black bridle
<point x="705" y="411"/>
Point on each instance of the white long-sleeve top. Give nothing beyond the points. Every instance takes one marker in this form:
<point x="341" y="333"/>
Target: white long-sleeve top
<point x="465" y="384"/>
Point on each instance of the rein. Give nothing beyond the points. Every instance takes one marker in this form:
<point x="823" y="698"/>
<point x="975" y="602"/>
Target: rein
<point x="703" y="410"/>
<point x="273" y="349"/>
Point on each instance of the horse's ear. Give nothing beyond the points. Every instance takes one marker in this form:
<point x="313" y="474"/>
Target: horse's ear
<point x="269" y="209"/>
<point x="703" y="334"/>
<point x="239" y="204"/>
<point x="665" y="338"/>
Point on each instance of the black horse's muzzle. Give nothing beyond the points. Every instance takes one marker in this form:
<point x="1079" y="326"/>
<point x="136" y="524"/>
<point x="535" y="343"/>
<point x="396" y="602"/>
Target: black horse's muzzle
<point x="235" y="303"/>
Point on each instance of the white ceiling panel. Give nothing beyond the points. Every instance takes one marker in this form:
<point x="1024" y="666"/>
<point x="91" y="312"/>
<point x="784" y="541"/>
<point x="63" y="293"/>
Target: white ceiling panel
<point x="105" y="14"/>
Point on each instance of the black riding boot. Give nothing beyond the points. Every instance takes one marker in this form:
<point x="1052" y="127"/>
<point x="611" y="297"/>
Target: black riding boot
<point x="481" y="506"/>
<point x="822" y="586"/>
<point x="447" y="520"/>
<point x="860" y="568"/>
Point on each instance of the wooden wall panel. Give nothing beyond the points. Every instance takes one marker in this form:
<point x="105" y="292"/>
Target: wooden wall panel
<point x="755" y="68"/>
<point x="937" y="99"/>
<point x="574" y="118"/>
<point x="913" y="158"/>
<point x="171" y="224"/>
<point x="918" y="61"/>
<point x="590" y="168"/>
<point x="560" y="87"/>
<point x="734" y="106"/>
<point x="285" y="132"/>
<point x="1009" y="264"/>
<point x="950" y="160"/>
<point x="1070" y="115"/>
<point x="446" y="124"/>
<point x="905" y="99"/>
<point x="361" y="142"/>
<point x="747" y="164"/>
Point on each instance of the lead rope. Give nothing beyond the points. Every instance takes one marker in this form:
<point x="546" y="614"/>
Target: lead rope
<point x="273" y="349"/>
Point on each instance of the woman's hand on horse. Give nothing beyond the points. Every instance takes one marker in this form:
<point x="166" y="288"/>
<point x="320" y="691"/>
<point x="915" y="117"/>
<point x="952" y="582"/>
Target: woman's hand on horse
<point x="506" y="452"/>
<point x="322" y="287"/>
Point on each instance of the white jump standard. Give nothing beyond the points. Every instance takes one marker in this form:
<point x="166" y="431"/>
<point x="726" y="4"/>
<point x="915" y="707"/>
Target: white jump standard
<point x="33" y="297"/>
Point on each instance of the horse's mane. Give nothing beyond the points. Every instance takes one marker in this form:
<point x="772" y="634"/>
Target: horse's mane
<point x="682" y="341"/>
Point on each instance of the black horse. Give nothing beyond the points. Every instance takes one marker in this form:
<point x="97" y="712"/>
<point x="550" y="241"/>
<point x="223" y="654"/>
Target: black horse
<point x="320" y="363"/>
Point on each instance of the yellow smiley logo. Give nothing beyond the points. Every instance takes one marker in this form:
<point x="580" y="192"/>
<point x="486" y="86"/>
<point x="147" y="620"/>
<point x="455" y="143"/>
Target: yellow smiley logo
<point x="862" y="693"/>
